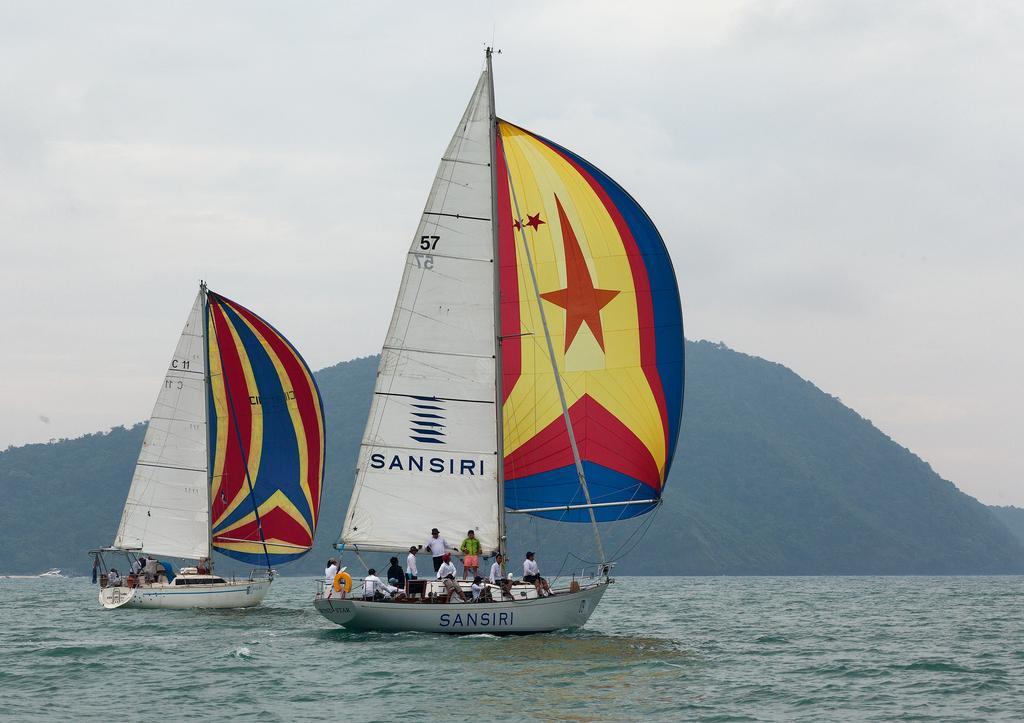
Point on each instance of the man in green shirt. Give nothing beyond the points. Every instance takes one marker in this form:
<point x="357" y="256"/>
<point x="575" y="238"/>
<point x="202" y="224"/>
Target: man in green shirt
<point x="470" y="549"/>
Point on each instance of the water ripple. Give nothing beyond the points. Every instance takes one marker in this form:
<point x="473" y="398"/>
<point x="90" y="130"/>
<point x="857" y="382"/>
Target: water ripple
<point x="802" y="649"/>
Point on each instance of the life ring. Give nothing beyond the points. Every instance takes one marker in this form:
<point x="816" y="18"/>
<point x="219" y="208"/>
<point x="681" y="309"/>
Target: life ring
<point x="337" y="582"/>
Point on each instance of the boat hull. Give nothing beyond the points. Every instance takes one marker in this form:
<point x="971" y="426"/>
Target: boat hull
<point x="169" y="597"/>
<point x="540" y="615"/>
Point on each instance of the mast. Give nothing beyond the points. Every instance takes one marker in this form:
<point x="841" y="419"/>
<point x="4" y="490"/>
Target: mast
<point x="558" y="379"/>
<point x="499" y="407"/>
<point x="206" y="384"/>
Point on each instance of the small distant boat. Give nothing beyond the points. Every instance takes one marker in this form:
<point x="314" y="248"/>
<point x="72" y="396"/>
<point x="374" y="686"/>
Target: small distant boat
<point x="52" y="572"/>
<point x="534" y="365"/>
<point x="232" y="461"/>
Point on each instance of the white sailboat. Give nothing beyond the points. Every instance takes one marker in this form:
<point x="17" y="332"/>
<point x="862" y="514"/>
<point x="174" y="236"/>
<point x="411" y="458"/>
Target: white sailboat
<point x="232" y="461"/>
<point x="533" y="365"/>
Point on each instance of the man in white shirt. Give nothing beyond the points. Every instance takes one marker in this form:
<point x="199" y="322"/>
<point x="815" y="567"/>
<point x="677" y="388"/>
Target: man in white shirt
<point x="531" y="573"/>
<point x="477" y="588"/>
<point x="411" y="573"/>
<point x="497" y="576"/>
<point x="437" y="546"/>
<point x="113" y="578"/>
<point x="373" y="586"/>
<point x="446" y="573"/>
<point x="330" y="571"/>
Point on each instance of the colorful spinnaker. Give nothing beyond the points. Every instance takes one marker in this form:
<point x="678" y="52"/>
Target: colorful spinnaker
<point x="609" y="295"/>
<point x="266" y="431"/>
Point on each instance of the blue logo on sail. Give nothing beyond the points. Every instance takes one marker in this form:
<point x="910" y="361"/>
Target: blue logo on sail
<point x="427" y="420"/>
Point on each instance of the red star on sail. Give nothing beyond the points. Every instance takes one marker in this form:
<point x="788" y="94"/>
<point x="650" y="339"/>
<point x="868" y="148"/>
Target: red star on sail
<point x="534" y="221"/>
<point x="581" y="301"/>
<point x="516" y="225"/>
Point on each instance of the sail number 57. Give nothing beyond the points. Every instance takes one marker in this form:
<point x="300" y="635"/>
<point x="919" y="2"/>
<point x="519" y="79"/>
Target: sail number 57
<point x="429" y="243"/>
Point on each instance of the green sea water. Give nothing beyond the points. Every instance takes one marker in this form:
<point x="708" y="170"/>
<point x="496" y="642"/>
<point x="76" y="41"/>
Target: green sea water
<point x="809" y="648"/>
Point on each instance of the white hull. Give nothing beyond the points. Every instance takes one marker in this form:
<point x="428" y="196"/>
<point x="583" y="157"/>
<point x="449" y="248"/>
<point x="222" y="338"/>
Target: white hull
<point x="540" y="615"/>
<point x="170" y="597"/>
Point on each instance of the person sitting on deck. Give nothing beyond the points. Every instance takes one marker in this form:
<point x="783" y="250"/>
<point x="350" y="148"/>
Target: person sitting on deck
<point x="204" y="566"/>
<point x="531" y="573"/>
<point x="394" y="575"/>
<point x="477" y="588"/>
<point x="373" y="586"/>
<point x="446" y="573"/>
<point x="137" y="565"/>
<point x="113" y="578"/>
<point x="497" y="577"/>
<point x="470" y="548"/>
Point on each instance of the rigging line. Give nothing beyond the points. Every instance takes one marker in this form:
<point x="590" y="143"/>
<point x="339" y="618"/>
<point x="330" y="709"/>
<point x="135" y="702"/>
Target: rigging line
<point x="170" y="466"/>
<point x="435" y="399"/>
<point x="554" y="366"/>
<point x="241" y="446"/>
<point x="455" y="215"/>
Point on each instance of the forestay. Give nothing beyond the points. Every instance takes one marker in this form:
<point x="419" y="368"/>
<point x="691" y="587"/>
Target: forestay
<point x="428" y="454"/>
<point x="166" y="510"/>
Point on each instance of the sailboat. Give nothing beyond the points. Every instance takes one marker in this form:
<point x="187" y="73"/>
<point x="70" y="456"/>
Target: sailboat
<point x="232" y="460"/>
<point x="533" y="365"/>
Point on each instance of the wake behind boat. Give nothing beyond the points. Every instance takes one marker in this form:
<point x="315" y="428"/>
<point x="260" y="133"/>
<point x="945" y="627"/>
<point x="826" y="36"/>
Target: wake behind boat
<point x="232" y="461"/>
<point x="533" y="365"/>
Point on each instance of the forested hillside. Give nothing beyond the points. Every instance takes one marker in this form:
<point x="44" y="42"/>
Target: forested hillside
<point x="773" y="476"/>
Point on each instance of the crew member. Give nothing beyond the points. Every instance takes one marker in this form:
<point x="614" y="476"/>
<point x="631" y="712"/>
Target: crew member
<point x="437" y="546"/>
<point x="531" y="573"/>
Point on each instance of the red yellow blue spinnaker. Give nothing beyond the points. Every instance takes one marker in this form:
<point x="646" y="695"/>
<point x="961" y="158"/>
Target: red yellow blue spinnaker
<point x="610" y="297"/>
<point x="266" y="434"/>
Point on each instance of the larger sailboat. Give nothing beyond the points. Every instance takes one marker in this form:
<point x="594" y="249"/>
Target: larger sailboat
<point x="534" y="365"/>
<point x="233" y="461"/>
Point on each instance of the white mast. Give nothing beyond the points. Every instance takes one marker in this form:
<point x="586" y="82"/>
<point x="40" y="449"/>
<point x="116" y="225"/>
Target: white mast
<point x="206" y="380"/>
<point x="498" y="396"/>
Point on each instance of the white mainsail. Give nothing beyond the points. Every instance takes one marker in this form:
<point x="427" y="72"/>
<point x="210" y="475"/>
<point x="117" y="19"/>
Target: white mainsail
<point x="429" y="452"/>
<point x="167" y="508"/>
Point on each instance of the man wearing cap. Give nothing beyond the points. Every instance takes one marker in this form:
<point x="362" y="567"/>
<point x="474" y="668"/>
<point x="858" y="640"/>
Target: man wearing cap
<point x="531" y="573"/>
<point x="446" y="573"/>
<point x="437" y="546"/>
<point x="411" y="572"/>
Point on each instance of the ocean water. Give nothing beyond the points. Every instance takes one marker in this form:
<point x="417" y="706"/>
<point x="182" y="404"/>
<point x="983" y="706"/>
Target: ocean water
<point x="825" y="648"/>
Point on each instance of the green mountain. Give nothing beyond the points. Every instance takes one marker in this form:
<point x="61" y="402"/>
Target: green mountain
<point x="772" y="477"/>
<point x="1012" y="518"/>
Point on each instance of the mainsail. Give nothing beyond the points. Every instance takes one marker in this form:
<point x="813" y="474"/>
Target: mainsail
<point x="429" y="452"/>
<point x="605" y="283"/>
<point x="166" y="510"/>
<point x="266" y="439"/>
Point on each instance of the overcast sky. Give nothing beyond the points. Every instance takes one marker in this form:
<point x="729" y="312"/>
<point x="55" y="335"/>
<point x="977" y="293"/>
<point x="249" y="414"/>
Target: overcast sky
<point x="839" y="184"/>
